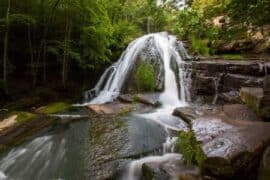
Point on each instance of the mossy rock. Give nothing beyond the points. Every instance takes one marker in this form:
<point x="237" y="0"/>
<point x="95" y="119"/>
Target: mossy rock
<point x="22" y="116"/>
<point x="145" y="78"/>
<point x="54" y="108"/>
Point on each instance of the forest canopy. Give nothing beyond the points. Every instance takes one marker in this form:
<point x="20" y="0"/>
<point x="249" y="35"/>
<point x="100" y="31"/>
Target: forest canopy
<point x="45" y="39"/>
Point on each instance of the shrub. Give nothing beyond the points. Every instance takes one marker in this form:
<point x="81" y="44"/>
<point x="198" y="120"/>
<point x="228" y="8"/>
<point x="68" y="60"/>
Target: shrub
<point x="199" y="46"/>
<point x="190" y="148"/>
<point x="145" y="78"/>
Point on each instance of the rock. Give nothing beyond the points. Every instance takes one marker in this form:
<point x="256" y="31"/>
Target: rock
<point x="264" y="171"/>
<point x="230" y="97"/>
<point x="20" y="132"/>
<point x="7" y="123"/>
<point x="252" y="97"/>
<point x="171" y="169"/>
<point x="148" y="99"/>
<point x="126" y="98"/>
<point x="114" y="108"/>
<point x="212" y="76"/>
<point x="255" y="99"/>
<point x="236" y="46"/>
<point x="235" y="82"/>
<point x="232" y="148"/>
<point x="240" y="112"/>
<point x="190" y="113"/>
<point x="149" y="54"/>
<point x="115" y="141"/>
<point x="266" y="86"/>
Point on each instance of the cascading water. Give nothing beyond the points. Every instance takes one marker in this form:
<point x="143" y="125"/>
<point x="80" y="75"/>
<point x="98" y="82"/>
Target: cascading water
<point x="170" y="98"/>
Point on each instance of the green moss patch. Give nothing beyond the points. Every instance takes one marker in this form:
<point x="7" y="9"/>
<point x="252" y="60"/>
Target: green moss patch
<point x="22" y="116"/>
<point x="54" y="108"/>
<point x="190" y="148"/>
<point x="145" y="78"/>
<point x="232" y="57"/>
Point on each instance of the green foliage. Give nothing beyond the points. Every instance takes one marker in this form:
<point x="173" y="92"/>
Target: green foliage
<point x="190" y="148"/>
<point x="22" y="116"/>
<point x="55" y="108"/>
<point x="199" y="46"/>
<point x="145" y="78"/>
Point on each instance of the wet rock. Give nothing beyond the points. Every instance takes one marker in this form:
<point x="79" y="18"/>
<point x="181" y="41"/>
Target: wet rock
<point x="240" y="112"/>
<point x="232" y="147"/>
<point x="190" y="113"/>
<point x="230" y="97"/>
<point x="114" y="108"/>
<point x="264" y="171"/>
<point x="235" y="82"/>
<point x="174" y="169"/>
<point x="148" y="99"/>
<point x="126" y="98"/>
<point x="213" y="77"/>
<point x="115" y="141"/>
<point x="149" y="54"/>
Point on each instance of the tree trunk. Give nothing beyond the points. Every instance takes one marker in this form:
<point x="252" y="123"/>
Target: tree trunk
<point x="44" y="63"/>
<point x="5" y="59"/>
<point x="43" y="41"/>
<point x="31" y="52"/>
<point x="65" y="53"/>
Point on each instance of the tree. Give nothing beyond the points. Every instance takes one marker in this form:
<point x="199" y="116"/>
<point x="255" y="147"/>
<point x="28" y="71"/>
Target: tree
<point x="5" y="58"/>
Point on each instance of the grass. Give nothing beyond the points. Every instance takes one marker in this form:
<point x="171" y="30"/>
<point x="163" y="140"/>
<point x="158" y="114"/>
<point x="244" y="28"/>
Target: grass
<point x="232" y="56"/>
<point x="190" y="148"/>
<point x="22" y="116"/>
<point x="55" y="108"/>
<point x="145" y="78"/>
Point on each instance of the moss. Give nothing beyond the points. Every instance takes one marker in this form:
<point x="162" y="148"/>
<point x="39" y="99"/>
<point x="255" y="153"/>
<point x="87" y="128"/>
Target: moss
<point x="55" y="107"/>
<point x="22" y="116"/>
<point x="190" y="148"/>
<point x="232" y="56"/>
<point x="145" y="78"/>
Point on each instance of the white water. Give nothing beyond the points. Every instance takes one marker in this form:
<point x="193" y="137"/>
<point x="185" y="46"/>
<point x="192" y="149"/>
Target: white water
<point x="110" y="84"/>
<point x="170" y="100"/>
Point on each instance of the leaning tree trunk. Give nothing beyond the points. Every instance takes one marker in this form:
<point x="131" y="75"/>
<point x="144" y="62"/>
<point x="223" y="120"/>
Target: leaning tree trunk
<point x="5" y="59"/>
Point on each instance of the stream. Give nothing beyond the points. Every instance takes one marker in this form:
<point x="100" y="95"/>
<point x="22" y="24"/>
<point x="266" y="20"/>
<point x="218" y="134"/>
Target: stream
<point x="62" y="152"/>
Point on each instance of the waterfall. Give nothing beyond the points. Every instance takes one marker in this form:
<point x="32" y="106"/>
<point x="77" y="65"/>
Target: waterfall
<point x="111" y="82"/>
<point x="216" y="83"/>
<point x="170" y="99"/>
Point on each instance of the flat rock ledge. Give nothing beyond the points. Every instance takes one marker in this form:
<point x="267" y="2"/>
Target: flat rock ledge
<point x="232" y="139"/>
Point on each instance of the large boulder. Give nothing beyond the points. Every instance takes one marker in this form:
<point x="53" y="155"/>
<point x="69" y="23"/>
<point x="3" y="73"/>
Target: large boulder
<point x="232" y="139"/>
<point x="170" y="169"/>
<point x="255" y="99"/>
<point x="115" y="141"/>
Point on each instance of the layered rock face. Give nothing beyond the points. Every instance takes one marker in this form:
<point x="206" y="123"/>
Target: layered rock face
<point x="258" y="98"/>
<point x="220" y="81"/>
